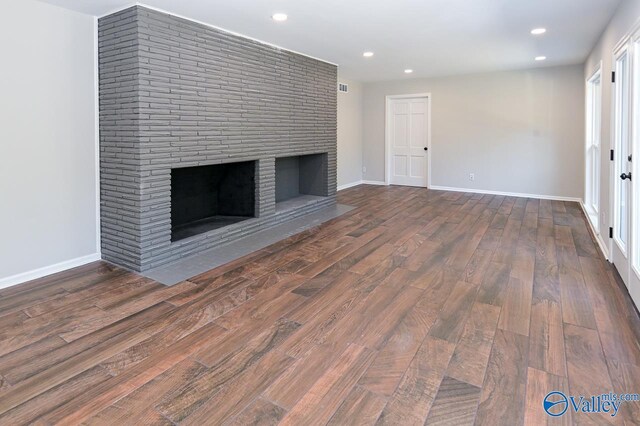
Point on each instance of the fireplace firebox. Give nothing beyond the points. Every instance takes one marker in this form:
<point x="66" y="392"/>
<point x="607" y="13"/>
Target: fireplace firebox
<point x="209" y="197"/>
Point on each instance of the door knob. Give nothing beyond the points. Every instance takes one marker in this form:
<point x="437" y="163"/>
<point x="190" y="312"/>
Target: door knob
<point x="425" y="148"/>
<point x="625" y="176"/>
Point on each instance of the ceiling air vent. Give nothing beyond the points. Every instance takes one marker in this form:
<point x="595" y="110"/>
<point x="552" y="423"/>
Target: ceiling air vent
<point x="343" y="88"/>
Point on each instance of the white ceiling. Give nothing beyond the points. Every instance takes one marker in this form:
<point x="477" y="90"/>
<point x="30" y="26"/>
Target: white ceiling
<point x="433" y="37"/>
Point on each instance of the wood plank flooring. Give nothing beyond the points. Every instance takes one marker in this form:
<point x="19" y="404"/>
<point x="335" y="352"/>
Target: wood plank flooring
<point x="416" y="307"/>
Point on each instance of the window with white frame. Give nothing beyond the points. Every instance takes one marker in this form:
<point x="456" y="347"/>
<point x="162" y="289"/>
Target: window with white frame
<point x="592" y="167"/>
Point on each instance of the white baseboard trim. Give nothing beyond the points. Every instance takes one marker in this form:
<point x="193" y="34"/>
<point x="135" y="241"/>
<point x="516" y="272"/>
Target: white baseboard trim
<point x="508" y="194"/>
<point x="47" y="270"/>
<point x="349" y="185"/>
<point x="361" y="182"/>
<point x="599" y="240"/>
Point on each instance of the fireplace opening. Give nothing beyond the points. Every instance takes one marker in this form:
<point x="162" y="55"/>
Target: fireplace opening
<point x="210" y="197"/>
<point x="300" y="179"/>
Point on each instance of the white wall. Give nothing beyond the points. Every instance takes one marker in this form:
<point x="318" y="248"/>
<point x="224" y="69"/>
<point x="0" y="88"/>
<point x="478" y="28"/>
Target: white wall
<point x="517" y="131"/>
<point x="626" y="16"/>
<point x="48" y="148"/>
<point x="349" y="134"/>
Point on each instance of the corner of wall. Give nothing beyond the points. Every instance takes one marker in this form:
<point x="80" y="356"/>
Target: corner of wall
<point x="350" y="134"/>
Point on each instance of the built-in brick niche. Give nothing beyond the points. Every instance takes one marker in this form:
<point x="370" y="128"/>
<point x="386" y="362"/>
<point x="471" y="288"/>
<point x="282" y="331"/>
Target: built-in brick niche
<point x="301" y="176"/>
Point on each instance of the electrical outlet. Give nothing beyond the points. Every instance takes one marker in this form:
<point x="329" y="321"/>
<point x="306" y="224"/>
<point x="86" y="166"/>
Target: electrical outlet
<point x="472" y="176"/>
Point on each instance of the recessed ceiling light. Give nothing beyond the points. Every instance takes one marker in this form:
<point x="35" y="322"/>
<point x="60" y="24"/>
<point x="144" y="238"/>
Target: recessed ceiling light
<point x="408" y="71"/>
<point x="280" y="17"/>
<point x="367" y="54"/>
<point x="538" y="31"/>
<point x="540" y="58"/>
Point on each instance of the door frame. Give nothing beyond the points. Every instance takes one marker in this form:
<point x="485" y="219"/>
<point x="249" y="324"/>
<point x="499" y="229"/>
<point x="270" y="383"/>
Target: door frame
<point x="631" y="45"/>
<point x="625" y="41"/>
<point x="623" y="46"/>
<point x="387" y="136"/>
<point x="634" y="266"/>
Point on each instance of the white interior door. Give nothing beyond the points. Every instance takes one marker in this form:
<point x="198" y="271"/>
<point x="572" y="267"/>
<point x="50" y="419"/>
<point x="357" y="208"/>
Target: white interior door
<point x="408" y="134"/>
<point x="626" y="222"/>
<point x="634" y="170"/>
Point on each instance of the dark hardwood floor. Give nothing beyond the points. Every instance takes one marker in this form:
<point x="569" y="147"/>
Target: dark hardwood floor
<point x="418" y="306"/>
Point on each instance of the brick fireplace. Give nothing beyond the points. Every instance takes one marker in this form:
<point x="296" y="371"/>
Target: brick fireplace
<point x="205" y="137"/>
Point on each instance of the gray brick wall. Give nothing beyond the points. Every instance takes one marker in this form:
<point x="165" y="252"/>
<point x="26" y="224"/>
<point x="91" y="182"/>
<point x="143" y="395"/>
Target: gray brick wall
<point x="174" y="93"/>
